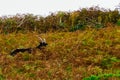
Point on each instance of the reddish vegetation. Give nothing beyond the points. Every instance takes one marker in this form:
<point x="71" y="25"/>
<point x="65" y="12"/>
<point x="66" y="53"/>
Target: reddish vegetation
<point x="69" y="55"/>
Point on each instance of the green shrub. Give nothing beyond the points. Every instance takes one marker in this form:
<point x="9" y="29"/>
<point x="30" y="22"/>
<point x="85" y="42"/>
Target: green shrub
<point x="102" y="76"/>
<point x="108" y="62"/>
<point x="118" y="22"/>
<point x="2" y="77"/>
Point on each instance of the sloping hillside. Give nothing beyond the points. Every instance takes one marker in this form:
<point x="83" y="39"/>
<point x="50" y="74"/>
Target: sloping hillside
<point x="92" y="53"/>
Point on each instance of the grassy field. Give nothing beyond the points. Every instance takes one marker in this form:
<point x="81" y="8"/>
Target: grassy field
<point x="81" y="55"/>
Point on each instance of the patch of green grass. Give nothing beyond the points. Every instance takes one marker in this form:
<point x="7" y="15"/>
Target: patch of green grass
<point x="103" y="77"/>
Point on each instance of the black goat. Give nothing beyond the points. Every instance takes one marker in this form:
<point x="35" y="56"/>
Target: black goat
<point x="29" y="50"/>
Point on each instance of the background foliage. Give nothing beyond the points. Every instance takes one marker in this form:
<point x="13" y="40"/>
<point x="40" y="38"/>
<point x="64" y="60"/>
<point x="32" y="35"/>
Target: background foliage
<point x="95" y="17"/>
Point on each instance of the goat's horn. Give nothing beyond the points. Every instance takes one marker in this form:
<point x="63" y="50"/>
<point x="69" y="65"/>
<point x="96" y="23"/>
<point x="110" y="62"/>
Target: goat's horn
<point x="40" y="39"/>
<point x="44" y="40"/>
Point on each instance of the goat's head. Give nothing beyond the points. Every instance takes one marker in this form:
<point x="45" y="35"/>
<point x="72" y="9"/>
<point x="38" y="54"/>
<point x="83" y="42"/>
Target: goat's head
<point x="42" y="43"/>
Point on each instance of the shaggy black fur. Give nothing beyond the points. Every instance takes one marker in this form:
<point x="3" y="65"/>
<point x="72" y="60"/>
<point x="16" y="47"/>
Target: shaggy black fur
<point x="29" y="50"/>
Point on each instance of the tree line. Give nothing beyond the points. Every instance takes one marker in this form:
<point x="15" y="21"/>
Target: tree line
<point x="80" y="19"/>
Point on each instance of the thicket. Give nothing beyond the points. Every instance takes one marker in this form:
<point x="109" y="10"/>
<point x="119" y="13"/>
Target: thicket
<point x="61" y="21"/>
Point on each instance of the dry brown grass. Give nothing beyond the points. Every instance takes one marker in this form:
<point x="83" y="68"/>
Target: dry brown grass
<point x="68" y="56"/>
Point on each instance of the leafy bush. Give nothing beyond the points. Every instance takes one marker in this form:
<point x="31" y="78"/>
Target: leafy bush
<point x="108" y="62"/>
<point x="78" y="27"/>
<point x="2" y="77"/>
<point x="118" y="22"/>
<point x="102" y="76"/>
<point x="61" y="21"/>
